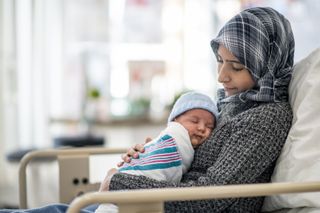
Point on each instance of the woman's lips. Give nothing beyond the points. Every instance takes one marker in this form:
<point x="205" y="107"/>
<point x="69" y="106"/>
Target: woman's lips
<point x="229" y="89"/>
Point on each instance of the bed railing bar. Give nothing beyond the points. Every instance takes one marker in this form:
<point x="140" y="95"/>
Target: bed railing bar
<point x="134" y="197"/>
<point x="54" y="153"/>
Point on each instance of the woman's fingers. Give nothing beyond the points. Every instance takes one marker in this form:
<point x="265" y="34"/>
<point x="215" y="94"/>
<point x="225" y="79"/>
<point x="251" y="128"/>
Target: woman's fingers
<point x="148" y="139"/>
<point x="137" y="148"/>
<point x="126" y="157"/>
<point x="120" y="164"/>
<point x="133" y="152"/>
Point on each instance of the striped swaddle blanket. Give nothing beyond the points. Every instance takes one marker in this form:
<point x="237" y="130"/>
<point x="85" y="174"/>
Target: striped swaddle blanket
<point x="165" y="158"/>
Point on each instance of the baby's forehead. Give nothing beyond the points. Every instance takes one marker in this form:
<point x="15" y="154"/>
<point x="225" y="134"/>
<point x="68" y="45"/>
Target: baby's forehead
<point x="200" y="113"/>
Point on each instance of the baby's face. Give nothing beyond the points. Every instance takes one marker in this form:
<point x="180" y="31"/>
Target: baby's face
<point x="199" y="124"/>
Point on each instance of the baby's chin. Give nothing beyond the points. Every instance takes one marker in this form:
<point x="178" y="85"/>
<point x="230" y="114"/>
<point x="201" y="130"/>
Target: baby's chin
<point x="195" y="142"/>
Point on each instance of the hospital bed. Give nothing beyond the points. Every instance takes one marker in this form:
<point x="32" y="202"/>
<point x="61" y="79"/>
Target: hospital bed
<point x="295" y="185"/>
<point x="150" y="200"/>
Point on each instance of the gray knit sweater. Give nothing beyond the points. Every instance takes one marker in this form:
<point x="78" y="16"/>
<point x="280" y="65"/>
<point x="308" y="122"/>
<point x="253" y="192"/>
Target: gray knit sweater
<point x="242" y="149"/>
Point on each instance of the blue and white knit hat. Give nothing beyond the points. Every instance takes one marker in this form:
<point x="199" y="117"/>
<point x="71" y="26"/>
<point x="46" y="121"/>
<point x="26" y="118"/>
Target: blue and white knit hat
<point x="193" y="100"/>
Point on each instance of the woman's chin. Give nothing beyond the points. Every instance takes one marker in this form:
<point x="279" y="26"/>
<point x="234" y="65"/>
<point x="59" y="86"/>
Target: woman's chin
<point x="230" y="92"/>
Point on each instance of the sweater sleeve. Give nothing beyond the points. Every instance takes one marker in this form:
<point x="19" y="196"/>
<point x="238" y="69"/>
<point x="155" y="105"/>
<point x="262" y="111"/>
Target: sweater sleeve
<point x="250" y="146"/>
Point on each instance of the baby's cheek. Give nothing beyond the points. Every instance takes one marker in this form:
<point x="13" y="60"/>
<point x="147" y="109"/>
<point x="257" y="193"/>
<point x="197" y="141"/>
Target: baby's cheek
<point x="209" y="132"/>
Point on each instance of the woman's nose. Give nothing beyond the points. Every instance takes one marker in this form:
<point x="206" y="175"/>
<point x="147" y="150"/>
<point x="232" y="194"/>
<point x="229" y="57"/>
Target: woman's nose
<point x="223" y="76"/>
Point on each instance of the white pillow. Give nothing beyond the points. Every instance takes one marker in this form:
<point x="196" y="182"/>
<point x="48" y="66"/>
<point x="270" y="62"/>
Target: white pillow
<point x="300" y="157"/>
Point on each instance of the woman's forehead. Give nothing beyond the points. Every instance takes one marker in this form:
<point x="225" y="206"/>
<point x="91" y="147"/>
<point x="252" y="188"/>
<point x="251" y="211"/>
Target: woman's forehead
<point x="226" y="54"/>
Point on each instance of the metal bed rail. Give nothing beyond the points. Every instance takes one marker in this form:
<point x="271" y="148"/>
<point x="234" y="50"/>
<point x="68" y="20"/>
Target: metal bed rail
<point x="66" y="156"/>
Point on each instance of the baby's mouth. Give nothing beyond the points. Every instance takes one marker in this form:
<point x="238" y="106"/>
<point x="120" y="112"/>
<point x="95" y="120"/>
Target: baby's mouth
<point x="198" y="138"/>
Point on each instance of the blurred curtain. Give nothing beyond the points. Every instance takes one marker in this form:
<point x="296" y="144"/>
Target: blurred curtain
<point x="30" y="53"/>
<point x="7" y="84"/>
<point x="8" y="110"/>
<point x="39" y="55"/>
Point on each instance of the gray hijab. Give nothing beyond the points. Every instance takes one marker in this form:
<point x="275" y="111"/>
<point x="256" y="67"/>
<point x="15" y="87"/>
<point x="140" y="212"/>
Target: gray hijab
<point x="261" y="38"/>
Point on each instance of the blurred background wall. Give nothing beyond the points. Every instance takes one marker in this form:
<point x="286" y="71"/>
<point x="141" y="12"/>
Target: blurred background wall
<point x="110" y="68"/>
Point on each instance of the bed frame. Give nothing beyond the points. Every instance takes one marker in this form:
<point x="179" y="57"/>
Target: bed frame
<point x="145" y="200"/>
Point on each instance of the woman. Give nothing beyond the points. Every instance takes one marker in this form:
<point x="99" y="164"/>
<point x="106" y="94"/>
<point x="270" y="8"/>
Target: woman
<point x="255" y="51"/>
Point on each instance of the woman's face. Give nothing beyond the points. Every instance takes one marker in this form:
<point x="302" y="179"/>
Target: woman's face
<point x="233" y="75"/>
<point x="199" y="124"/>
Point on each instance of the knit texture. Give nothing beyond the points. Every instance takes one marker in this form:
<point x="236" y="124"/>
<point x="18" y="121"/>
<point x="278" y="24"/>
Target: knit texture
<point x="242" y="149"/>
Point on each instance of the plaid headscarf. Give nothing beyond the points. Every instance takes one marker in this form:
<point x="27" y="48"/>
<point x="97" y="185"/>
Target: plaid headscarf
<point x="262" y="40"/>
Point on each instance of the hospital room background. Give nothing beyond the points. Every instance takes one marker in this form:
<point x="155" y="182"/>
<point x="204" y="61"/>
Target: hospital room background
<point x="106" y="72"/>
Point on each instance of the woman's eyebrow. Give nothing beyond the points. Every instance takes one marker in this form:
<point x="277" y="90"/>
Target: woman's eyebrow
<point x="233" y="61"/>
<point x="229" y="60"/>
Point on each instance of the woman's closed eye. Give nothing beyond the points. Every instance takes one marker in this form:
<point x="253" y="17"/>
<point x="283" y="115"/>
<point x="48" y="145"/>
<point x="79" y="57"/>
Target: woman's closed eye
<point x="235" y="65"/>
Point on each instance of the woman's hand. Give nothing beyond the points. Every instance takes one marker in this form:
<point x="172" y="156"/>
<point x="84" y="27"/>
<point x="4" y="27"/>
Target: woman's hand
<point x="104" y="186"/>
<point x="133" y="152"/>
